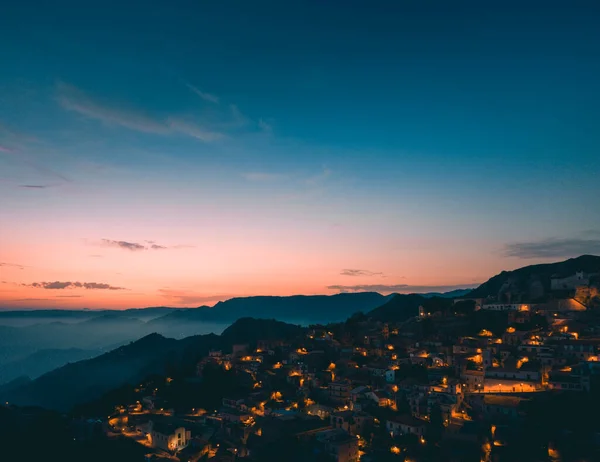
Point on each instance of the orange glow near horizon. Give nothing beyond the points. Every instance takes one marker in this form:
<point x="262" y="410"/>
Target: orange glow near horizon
<point x="192" y="272"/>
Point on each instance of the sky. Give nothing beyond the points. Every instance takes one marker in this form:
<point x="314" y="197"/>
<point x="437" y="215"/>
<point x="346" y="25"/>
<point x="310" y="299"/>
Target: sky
<point x="180" y="153"/>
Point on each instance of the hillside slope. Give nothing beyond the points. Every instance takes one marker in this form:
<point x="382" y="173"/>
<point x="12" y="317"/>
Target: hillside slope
<point x="533" y="282"/>
<point x="87" y="380"/>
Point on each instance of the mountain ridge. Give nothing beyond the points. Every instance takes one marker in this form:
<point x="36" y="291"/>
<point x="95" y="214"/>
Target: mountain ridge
<point x="522" y="279"/>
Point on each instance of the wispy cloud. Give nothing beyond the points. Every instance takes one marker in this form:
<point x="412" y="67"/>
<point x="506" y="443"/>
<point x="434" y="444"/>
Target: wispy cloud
<point x="69" y="296"/>
<point x="359" y="272"/>
<point x="137" y="246"/>
<point x="59" y="285"/>
<point x="553" y="248"/>
<point x="73" y="99"/>
<point x="194" y="130"/>
<point x="265" y="126"/>
<point x="133" y="246"/>
<point x="188" y="298"/>
<point x="205" y="96"/>
<point x="35" y="186"/>
<point x="6" y="149"/>
<point x="23" y="157"/>
<point x="401" y="288"/>
<point x="239" y="119"/>
<point x="319" y="178"/>
<point x="12" y="265"/>
<point x="263" y="176"/>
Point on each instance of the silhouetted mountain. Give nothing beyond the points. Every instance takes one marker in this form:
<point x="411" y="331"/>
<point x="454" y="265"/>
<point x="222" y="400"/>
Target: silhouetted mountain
<point x="43" y="361"/>
<point x="14" y="384"/>
<point x="399" y="308"/>
<point x="452" y="294"/>
<point x="153" y="354"/>
<point x="87" y="379"/>
<point x="301" y="309"/>
<point x="533" y="282"/>
<point x="249" y="330"/>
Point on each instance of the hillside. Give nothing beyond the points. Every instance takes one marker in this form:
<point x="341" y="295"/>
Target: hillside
<point x="402" y="307"/>
<point x="533" y="282"/>
<point x="87" y="380"/>
<point x="43" y="361"/>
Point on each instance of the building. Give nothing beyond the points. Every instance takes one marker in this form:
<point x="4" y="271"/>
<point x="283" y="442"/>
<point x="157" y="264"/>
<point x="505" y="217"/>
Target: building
<point x="506" y="306"/>
<point x="340" y="391"/>
<point x="339" y="445"/>
<point x="354" y="422"/>
<point x="569" y="282"/>
<point x="380" y="397"/>
<point x="405" y="425"/>
<point x="357" y="392"/>
<point x="320" y="410"/>
<point x="168" y="437"/>
<point x="230" y="414"/>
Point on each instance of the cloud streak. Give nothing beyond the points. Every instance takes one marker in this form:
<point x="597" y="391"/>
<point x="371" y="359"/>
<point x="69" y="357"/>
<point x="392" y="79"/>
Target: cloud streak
<point x="401" y="288"/>
<point x="194" y="130"/>
<point x="12" y="265"/>
<point x="60" y="285"/>
<point x="75" y="100"/>
<point x="359" y="272"/>
<point x="136" y="246"/>
<point x="6" y="149"/>
<point x="205" y="96"/>
<point x="262" y="176"/>
<point x="553" y="248"/>
<point x="265" y="126"/>
<point x="133" y="246"/>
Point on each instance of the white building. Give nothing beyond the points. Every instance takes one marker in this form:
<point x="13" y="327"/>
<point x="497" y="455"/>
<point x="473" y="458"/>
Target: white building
<point x="570" y="282"/>
<point x="168" y="437"/>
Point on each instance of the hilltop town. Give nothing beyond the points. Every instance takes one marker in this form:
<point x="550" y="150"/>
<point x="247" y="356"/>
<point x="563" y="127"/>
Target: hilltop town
<point x="483" y="378"/>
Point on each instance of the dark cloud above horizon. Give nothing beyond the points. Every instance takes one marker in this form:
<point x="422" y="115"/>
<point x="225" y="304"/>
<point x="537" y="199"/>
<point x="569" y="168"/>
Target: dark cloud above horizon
<point x="12" y="265"/>
<point x="402" y="288"/>
<point x="59" y="285"/>
<point x="359" y="272"/>
<point x="133" y="246"/>
<point x="553" y="248"/>
<point x="136" y="246"/>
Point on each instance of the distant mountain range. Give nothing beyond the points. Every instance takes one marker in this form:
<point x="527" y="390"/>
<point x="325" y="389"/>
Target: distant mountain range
<point x="36" y="341"/>
<point x="299" y="309"/>
<point x="27" y="317"/>
<point x="452" y="294"/>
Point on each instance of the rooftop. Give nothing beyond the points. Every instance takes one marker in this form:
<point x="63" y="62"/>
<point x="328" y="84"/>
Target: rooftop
<point x="165" y="428"/>
<point x="336" y="436"/>
<point x="407" y="419"/>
